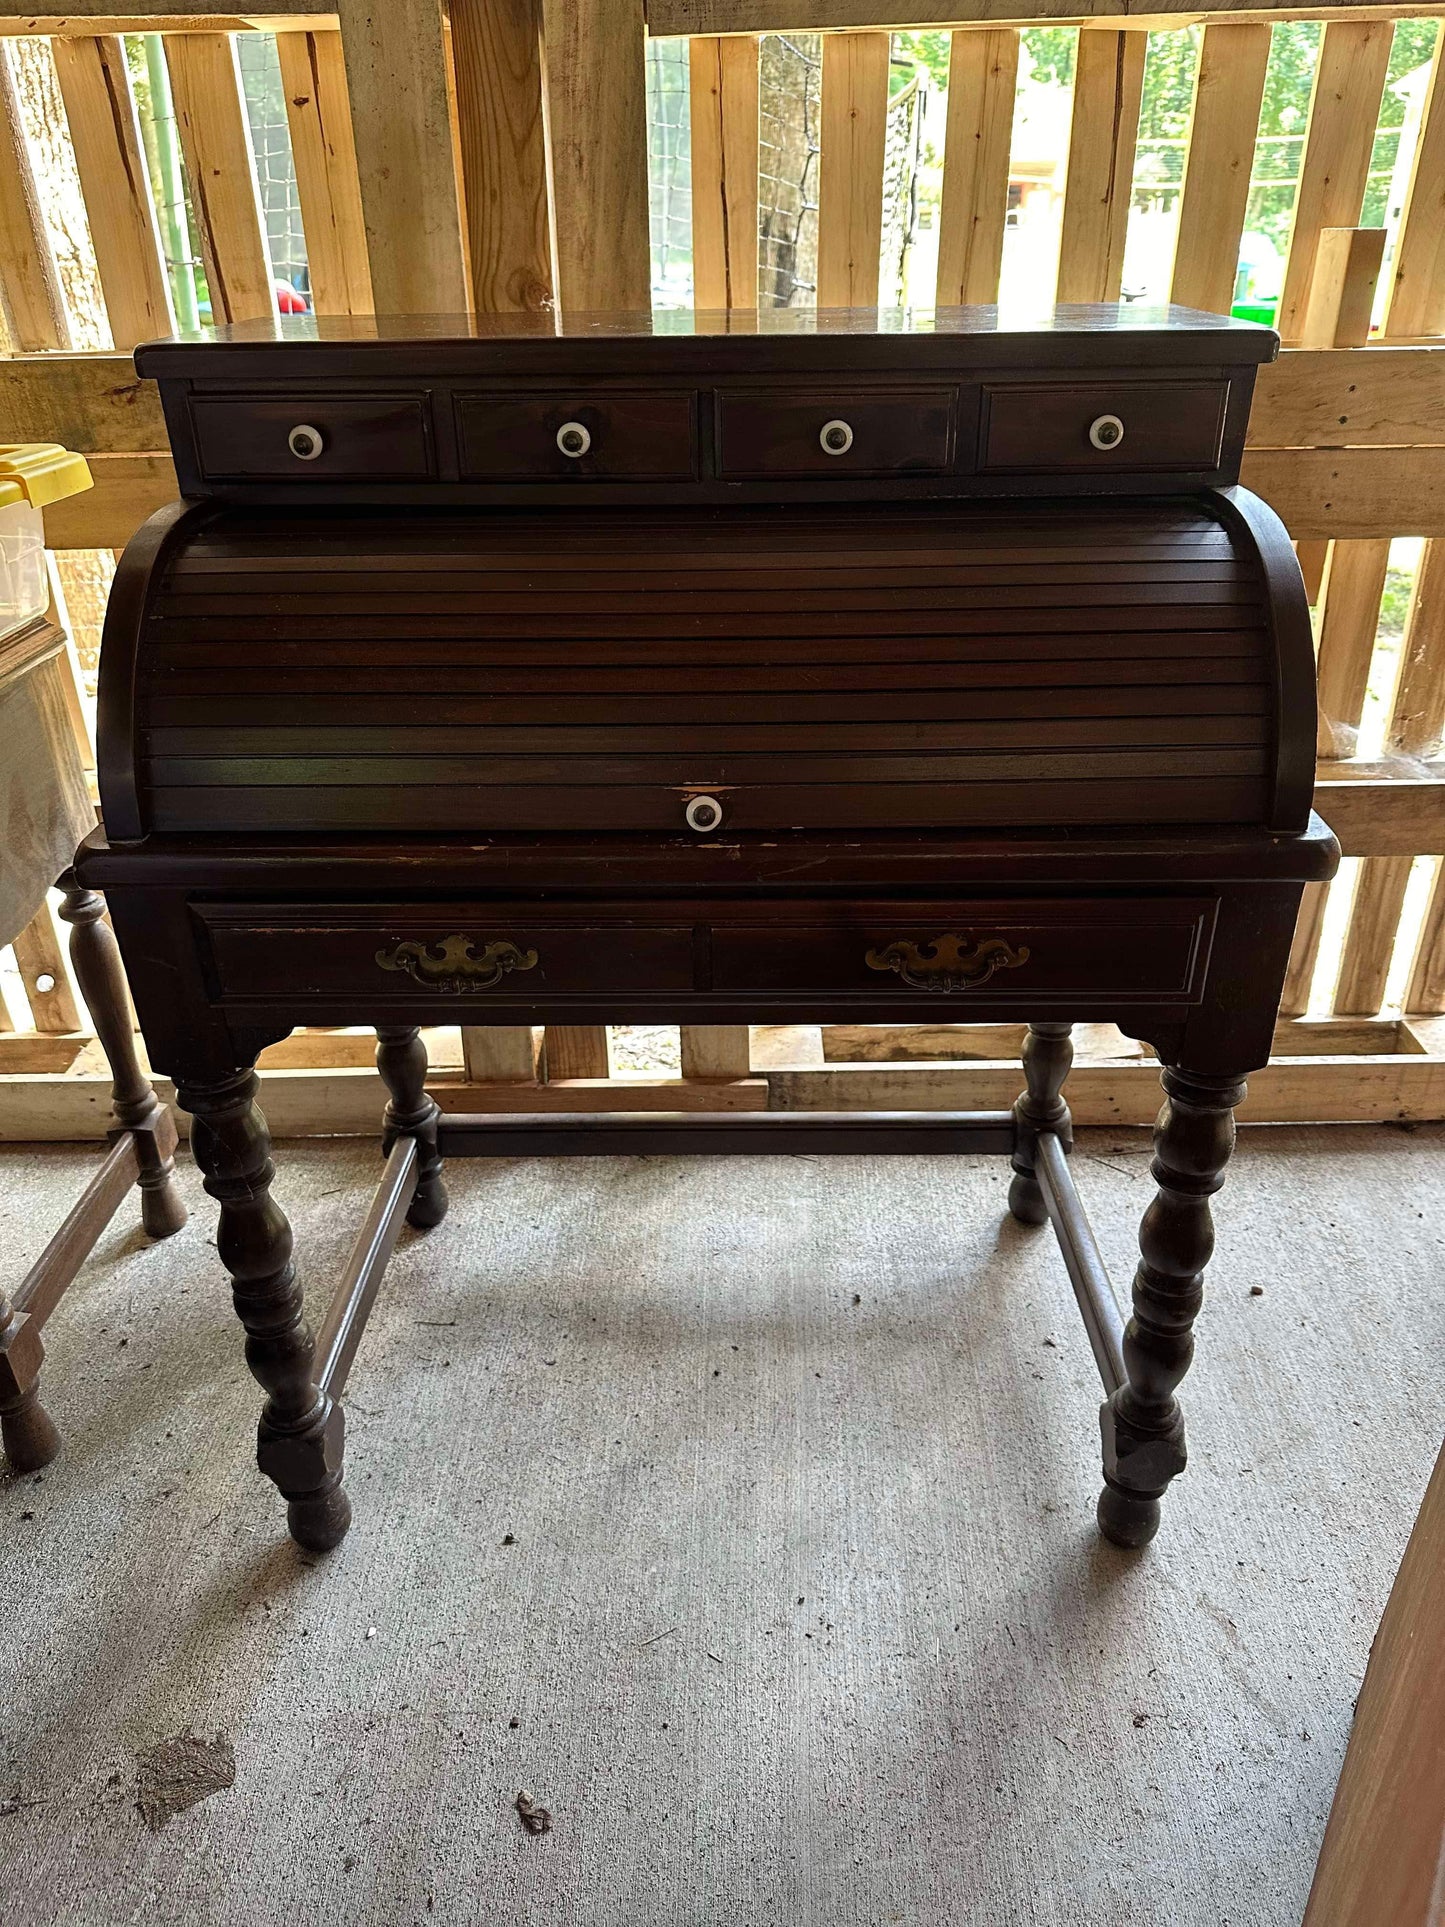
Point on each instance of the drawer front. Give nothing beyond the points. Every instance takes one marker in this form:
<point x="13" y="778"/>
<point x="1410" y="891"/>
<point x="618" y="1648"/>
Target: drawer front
<point x="455" y="953"/>
<point x="369" y="438"/>
<point x="574" y="437"/>
<point x="974" y="951"/>
<point x="836" y="432"/>
<point x="1135" y="425"/>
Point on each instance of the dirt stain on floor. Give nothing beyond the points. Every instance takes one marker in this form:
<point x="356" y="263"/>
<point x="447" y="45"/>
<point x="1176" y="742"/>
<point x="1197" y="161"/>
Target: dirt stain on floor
<point x="179" y="1772"/>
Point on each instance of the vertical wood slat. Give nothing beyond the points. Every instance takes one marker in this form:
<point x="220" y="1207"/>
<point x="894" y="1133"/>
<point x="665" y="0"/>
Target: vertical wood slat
<point x="318" y="115"/>
<point x="1370" y="938"/>
<point x="594" y="65"/>
<point x="1418" y="711"/>
<point x="29" y="281"/>
<point x="715" y="1051"/>
<point x="1304" y="951"/>
<point x="983" y="66"/>
<point x="1425" y="991"/>
<point x="115" y="184"/>
<point x="41" y="957"/>
<point x="850" y="168"/>
<point x="397" y="80"/>
<point x="723" y="102"/>
<point x="1416" y="304"/>
<point x="1312" y="557"/>
<point x="1223" y="128"/>
<point x="1103" y="133"/>
<point x="501" y="138"/>
<point x="1354" y="586"/>
<point x="575" y="1050"/>
<point x="499" y="1053"/>
<point x="216" y="142"/>
<point x="1342" y="287"/>
<point x="1344" y="112"/>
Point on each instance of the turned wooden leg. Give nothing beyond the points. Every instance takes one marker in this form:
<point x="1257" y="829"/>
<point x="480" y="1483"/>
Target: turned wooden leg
<point x="95" y="957"/>
<point x="1048" y="1056"/>
<point x="401" y="1059"/>
<point x="1142" y="1424"/>
<point x="299" y="1443"/>
<point x="27" y="1431"/>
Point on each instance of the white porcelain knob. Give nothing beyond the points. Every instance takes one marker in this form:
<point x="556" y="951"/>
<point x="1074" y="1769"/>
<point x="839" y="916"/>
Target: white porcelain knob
<point x="573" y="439"/>
<point x="835" y="438"/>
<point x="703" y="813"/>
<point x="305" y="442"/>
<point x="1106" y="432"/>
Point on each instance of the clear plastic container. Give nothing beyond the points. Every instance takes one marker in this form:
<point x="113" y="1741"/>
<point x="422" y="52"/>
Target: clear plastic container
<point x="31" y="475"/>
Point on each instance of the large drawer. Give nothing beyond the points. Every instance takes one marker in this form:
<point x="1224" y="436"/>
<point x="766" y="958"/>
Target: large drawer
<point x="456" y="952"/>
<point x="461" y="953"/>
<point x="962" y="952"/>
<point x="310" y="437"/>
<point x="1102" y="426"/>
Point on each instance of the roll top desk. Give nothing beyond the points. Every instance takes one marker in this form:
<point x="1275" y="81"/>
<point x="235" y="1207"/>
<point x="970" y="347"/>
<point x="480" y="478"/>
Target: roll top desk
<point x="779" y="668"/>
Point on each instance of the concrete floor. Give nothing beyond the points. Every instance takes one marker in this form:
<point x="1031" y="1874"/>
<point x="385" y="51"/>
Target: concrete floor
<point x="741" y="1513"/>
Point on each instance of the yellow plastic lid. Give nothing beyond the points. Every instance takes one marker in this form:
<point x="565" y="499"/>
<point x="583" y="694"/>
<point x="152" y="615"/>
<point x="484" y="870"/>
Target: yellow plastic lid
<point x="40" y="472"/>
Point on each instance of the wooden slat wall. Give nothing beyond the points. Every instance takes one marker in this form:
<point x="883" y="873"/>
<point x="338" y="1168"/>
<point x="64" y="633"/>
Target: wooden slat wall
<point x="110" y="158"/>
<point x="497" y="50"/>
<point x="1108" y="83"/>
<point x="723" y="102"/>
<point x="323" y="148"/>
<point x="1228" y="91"/>
<point x="850" y="191"/>
<point x="460" y="120"/>
<point x="982" y="82"/>
<point x="216" y="142"/>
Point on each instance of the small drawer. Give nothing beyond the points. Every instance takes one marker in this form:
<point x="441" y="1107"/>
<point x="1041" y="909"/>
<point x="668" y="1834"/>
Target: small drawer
<point x="836" y="432"/>
<point x="1103" y="426"/>
<point x="570" y="437"/>
<point x="456" y="953"/>
<point x="300" y="438"/>
<point x="1116" y="949"/>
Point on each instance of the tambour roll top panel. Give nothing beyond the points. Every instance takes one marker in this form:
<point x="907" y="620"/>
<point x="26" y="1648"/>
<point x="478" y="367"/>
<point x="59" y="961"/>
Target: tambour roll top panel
<point x="855" y="667"/>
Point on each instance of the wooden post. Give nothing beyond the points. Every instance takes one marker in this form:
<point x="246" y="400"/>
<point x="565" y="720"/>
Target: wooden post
<point x="983" y="68"/>
<point x="499" y="1054"/>
<point x="41" y="957"/>
<point x="1304" y="952"/>
<point x="850" y="181"/>
<point x="1223" y="127"/>
<point x="715" y="1051"/>
<point x="29" y="283"/>
<point x="1344" y="112"/>
<point x="575" y="1050"/>
<point x="1418" y="711"/>
<point x="397" y="77"/>
<point x="318" y="113"/>
<point x="501" y="137"/>
<point x="1108" y="81"/>
<point x="723" y="90"/>
<point x="1370" y="938"/>
<point x="1354" y="586"/>
<point x="115" y="182"/>
<point x="1384" y="1846"/>
<point x="216" y="141"/>
<point x="594" y="63"/>
<point x="1425" y="992"/>
<point x="1416" y="303"/>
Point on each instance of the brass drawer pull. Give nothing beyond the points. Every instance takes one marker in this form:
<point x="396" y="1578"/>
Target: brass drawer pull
<point x="945" y="963"/>
<point x="455" y="964"/>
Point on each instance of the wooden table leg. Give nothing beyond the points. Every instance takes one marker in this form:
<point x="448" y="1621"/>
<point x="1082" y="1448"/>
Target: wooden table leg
<point x="1048" y="1058"/>
<point x="401" y="1060"/>
<point x="300" y="1440"/>
<point x="27" y="1431"/>
<point x="95" y="958"/>
<point x="1142" y="1424"/>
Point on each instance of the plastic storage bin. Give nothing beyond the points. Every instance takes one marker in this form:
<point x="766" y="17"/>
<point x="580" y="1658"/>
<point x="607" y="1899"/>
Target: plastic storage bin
<point x="31" y="475"/>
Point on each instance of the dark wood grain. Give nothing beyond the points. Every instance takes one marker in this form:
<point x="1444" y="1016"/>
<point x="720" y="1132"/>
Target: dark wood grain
<point x="995" y="719"/>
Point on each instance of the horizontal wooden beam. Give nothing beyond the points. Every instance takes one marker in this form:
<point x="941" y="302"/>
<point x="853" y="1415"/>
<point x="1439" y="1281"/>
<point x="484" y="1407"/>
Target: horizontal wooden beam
<point x="1392" y="816"/>
<point x="1351" y="494"/>
<point x="1350" y="398"/>
<point x="178" y="16"/>
<point x="673" y="17"/>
